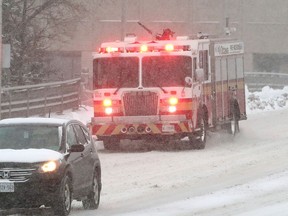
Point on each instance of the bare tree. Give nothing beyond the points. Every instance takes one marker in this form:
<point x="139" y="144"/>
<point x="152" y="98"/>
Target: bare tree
<point x="31" y="27"/>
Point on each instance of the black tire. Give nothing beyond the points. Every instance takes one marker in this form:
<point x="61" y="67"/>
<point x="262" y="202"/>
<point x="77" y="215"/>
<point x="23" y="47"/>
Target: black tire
<point x="111" y="143"/>
<point x="198" y="138"/>
<point x="62" y="204"/>
<point x="93" y="198"/>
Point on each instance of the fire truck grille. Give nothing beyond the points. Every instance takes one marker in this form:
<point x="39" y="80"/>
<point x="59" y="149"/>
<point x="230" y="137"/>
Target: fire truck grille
<point x="140" y="103"/>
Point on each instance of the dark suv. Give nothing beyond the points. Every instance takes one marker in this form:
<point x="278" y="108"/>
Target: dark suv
<point x="47" y="162"/>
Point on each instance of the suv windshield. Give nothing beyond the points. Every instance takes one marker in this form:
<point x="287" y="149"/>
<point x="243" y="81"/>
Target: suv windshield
<point x="27" y="136"/>
<point x="166" y="70"/>
<point x="116" y="72"/>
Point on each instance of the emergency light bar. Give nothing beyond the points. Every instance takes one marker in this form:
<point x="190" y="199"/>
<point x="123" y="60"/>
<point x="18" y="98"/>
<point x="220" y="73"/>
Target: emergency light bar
<point x="169" y="47"/>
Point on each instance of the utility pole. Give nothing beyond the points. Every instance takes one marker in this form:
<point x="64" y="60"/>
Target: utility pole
<point x="123" y="19"/>
<point x="0" y="57"/>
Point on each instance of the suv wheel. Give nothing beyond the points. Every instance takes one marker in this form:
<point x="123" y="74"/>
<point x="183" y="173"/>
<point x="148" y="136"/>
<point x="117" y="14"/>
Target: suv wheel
<point x="93" y="199"/>
<point x="62" y="205"/>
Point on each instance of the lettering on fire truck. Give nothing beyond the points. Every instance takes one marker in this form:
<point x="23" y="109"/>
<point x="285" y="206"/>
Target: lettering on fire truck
<point x="167" y="89"/>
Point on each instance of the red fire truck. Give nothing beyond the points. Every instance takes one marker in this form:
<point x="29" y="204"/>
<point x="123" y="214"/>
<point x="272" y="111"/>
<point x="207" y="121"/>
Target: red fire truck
<point x="167" y="89"/>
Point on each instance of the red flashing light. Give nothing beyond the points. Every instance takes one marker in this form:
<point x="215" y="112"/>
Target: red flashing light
<point x="173" y="92"/>
<point x="101" y="50"/>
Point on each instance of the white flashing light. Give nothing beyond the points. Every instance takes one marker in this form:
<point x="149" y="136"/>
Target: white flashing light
<point x="107" y="102"/>
<point x="108" y="110"/>
<point x="111" y="49"/>
<point x="169" y="47"/>
<point x="173" y="101"/>
<point x="144" y="48"/>
<point x="172" y="109"/>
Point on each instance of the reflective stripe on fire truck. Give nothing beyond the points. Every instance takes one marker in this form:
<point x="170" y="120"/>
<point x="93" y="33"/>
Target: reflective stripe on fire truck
<point x="106" y="130"/>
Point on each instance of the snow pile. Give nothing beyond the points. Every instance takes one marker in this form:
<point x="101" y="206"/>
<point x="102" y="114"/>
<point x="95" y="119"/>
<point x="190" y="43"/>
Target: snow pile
<point x="267" y="99"/>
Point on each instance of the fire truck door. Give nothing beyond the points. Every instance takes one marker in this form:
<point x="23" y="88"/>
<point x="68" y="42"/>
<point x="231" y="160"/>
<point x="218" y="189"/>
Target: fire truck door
<point x="208" y="95"/>
<point x="222" y="87"/>
<point x="226" y="84"/>
<point x="240" y="83"/>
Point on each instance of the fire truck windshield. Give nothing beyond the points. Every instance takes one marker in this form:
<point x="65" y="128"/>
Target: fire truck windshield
<point x="116" y="72"/>
<point x="157" y="71"/>
<point x="166" y="70"/>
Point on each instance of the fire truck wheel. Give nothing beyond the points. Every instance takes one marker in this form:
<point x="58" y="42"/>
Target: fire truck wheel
<point x="111" y="143"/>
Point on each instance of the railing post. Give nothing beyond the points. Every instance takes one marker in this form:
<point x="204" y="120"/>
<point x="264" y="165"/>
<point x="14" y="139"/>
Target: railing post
<point x="62" y="98"/>
<point x="45" y="100"/>
<point x="80" y="92"/>
<point x="10" y="105"/>
<point x="28" y="103"/>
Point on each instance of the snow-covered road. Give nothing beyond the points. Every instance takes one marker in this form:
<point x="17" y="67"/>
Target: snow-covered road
<point x="245" y="175"/>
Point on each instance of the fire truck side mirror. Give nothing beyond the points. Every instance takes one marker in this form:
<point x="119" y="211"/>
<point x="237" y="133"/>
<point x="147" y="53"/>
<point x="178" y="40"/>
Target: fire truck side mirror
<point x="199" y="73"/>
<point x="189" y="80"/>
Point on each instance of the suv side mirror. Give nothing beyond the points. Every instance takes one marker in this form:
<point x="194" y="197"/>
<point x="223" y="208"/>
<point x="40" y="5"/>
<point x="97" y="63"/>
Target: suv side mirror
<point x="199" y="73"/>
<point x="77" y="148"/>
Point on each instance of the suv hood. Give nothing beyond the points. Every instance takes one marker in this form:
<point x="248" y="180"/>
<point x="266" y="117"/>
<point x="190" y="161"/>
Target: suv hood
<point x="29" y="155"/>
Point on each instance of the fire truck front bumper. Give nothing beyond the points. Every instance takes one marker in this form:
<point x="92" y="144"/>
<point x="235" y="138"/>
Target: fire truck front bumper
<point x="141" y="125"/>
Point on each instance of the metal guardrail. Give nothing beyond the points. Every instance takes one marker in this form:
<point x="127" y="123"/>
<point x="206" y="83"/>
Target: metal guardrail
<point x="257" y="80"/>
<point x="40" y="99"/>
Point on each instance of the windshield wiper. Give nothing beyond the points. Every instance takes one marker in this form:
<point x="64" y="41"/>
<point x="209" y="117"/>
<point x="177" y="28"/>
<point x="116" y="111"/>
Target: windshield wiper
<point x="159" y="86"/>
<point x="121" y="86"/>
<point x="164" y="91"/>
<point x="115" y="92"/>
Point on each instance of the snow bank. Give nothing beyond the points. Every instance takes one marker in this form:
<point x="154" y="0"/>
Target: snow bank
<point x="266" y="100"/>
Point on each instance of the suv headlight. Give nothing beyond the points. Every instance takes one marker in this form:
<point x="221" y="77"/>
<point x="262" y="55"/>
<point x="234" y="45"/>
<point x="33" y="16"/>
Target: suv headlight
<point x="49" y="166"/>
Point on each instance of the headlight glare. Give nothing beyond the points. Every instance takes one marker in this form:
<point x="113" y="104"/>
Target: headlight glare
<point x="49" y="166"/>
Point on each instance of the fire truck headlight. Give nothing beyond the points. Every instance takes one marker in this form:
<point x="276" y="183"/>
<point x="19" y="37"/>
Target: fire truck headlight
<point x="173" y="101"/>
<point x="172" y="109"/>
<point x="108" y="110"/>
